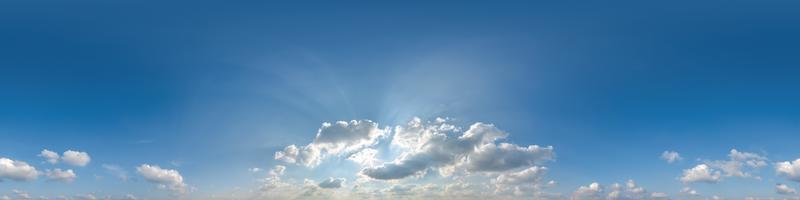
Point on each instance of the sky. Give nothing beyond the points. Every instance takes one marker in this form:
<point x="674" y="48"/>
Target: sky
<point x="399" y="100"/>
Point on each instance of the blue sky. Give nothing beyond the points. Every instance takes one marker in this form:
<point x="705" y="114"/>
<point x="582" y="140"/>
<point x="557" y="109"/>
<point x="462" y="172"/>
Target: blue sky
<point x="208" y="91"/>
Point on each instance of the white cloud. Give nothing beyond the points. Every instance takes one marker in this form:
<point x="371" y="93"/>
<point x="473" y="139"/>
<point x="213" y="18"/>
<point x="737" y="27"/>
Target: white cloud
<point x="530" y="175"/>
<point x="739" y="164"/>
<point x="21" y="194"/>
<point x="60" y="175"/>
<point x="671" y="156"/>
<point x="689" y="191"/>
<point x="505" y="156"/>
<point x="700" y="173"/>
<point x="789" y="169"/>
<point x="437" y="147"/>
<point x="628" y="191"/>
<point x="331" y="183"/>
<point x="165" y="178"/>
<point x="591" y="191"/>
<point x="366" y="157"/>
<point x="333" y="139"/>
<point x="784" y="189"/>
<point x="50" y="156"/>
<point x="254" y="169"/>
<point x="76" y="158"/>
<point x="16" y="170"/>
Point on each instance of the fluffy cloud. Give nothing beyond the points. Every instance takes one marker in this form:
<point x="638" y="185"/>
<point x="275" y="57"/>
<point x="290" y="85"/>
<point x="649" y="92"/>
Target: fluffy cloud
<point x="739" y="163"/>
<point x="76" y="158"/>
<point x="165" y="178"/>
<point x="416" y="148"/>
<point x="438" y="145"/>
<point x="530" y="175"/>
<point x="689" y="192"/>
<point x="591" y="191"/>
<point x="60" y="175"/>
<point x="700" y="173"/>
<point x="505" y="156"/>
<point x="331" y="183"/>
<point x="671" y="156"/>
<point x="789" y="169"/>
<point x="784" y="189"/>
<point x="333" y="139"/>
<point x="49" y="156"/>
<point x="628" y="191"/>
<point x="16" y="170"/>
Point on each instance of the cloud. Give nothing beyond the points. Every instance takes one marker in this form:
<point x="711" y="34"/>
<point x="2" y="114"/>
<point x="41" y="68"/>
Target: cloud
<point x="49" y="156"/>
<point x="739" y="163"/>
<point x="76" y="158"/>
<point x="254" y="169"/>
<point x="628" y="191"/>
<point x="16" y="170"/>
<point x="671" y="156"/>
<point x="439" y="145"/>
<point x="165" y="178"/>
<point x="333" y="139"/>
<point x="60" y="175"/>
<point x="784" y="189"/>
<point x="689" y="191"/>
<point x="331" y="183"/>
<point x="789" y="169"/>
<point x="700" y="173"/>
<point x="529" y="175"/>
<point x="21" y="194"/>
<point x="591" y="191"/>
<point x="505" y="156"/>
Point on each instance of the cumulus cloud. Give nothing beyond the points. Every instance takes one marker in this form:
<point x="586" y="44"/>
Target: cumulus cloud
<point x="689" y="191"/>
<point x="700" y="173"/>
<point x="438" y="145"/>
<point x="784" y="189"/>
<point x="671" y="156"/>
<point x="76" y="158"/>
<point x="16" y="170"/>
<point x="333" y="139"/>
<point x="739" y="164"/>
<point x="591" y="191"/>
<point x="49" y="156"/>
<point x="331" y="183"/>
<point x="60" y="175"/>
<point x="628" y="191"/>
<point x="789" y="169"/>
<point x="505" y="156"/>
<point x="165" y="178"/>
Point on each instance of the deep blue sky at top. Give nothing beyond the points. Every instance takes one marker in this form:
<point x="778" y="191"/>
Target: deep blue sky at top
<point x="609" y="84"/>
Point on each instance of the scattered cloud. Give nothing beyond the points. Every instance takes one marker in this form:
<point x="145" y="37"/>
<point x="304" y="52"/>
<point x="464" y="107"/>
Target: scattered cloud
<point x="789" y="169"/>
<point x="165" y="178"/>
<point x="784" y="189"/>
<point x="628" y="191"/>
<point x="671" y="156"/>
<point x="333" y="139"/>
<point x="76" y="158"/>
<point x="740" y="164"/>
<point x="331" y="183"/>
<point x="438" y="145"/>
<point x="16" y="170"/>
<point x="700" y="173"/>
<point x="50" y="156"/>
<point x="60" y="175"/>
